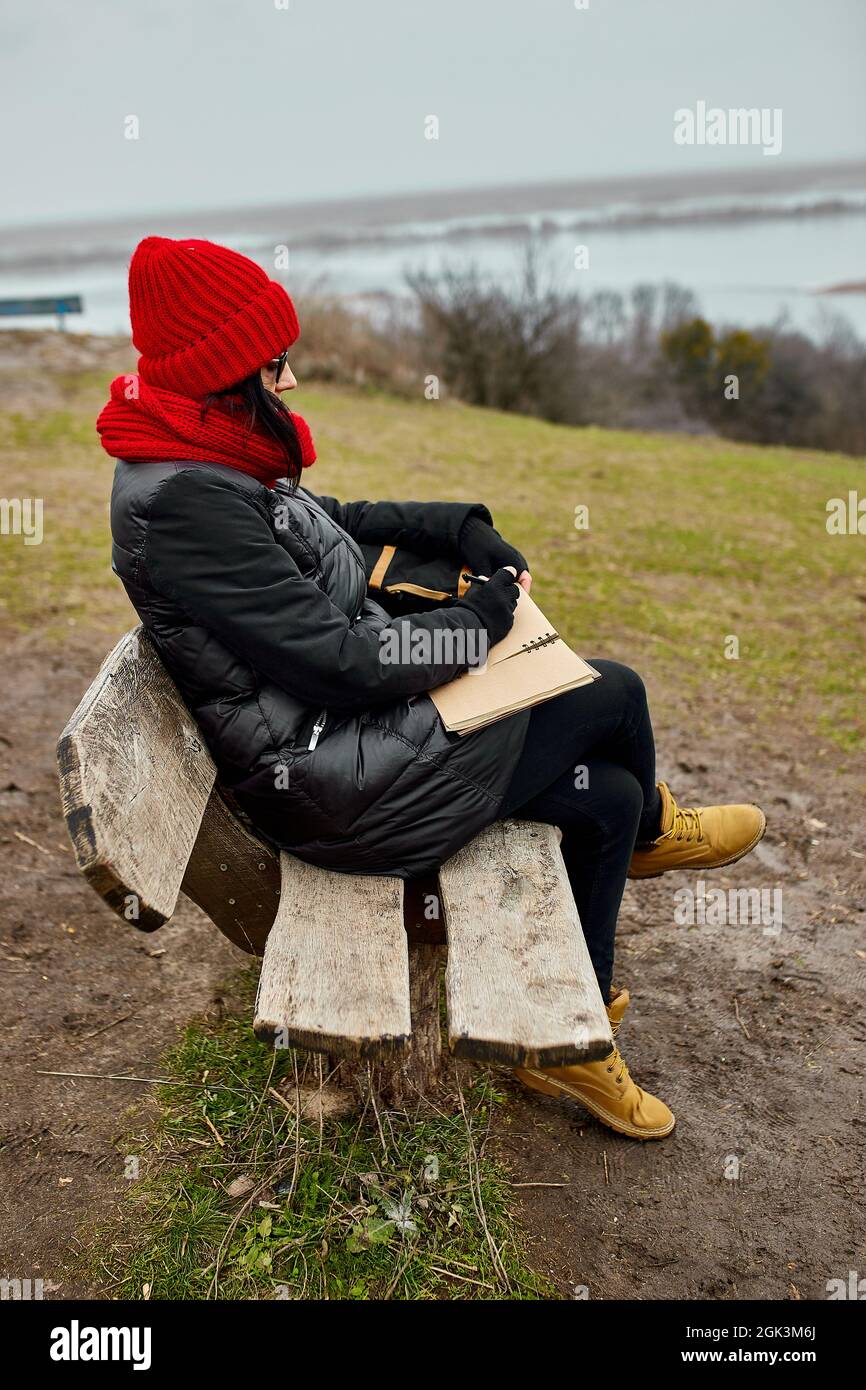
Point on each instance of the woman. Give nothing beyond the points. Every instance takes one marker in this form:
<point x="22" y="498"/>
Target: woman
<point x="255" y="592"/>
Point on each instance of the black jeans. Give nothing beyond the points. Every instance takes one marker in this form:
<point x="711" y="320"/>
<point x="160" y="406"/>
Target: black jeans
<point x="588" y="766"/>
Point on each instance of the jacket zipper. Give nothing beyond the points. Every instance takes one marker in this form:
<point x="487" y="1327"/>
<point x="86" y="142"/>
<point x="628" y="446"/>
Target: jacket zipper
<point x="317" y="729"/>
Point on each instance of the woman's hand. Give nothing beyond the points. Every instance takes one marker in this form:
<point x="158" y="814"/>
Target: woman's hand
<point x="494" y="603"/>
<point x="484" y="551"/>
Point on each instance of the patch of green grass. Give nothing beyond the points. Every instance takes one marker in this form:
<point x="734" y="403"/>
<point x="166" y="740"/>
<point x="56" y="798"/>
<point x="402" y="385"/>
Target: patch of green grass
<point x="368" y="1205"/>
<point x="691" y="540"/>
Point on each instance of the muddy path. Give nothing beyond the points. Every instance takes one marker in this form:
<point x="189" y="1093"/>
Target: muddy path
<point x="755" y="1038"/>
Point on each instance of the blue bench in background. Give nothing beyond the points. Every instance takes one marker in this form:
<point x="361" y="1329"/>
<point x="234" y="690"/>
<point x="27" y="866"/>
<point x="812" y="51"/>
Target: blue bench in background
<point x="60" y="305"/>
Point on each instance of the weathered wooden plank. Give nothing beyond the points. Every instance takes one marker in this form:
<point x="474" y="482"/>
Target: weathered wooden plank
<point x="135" y="777"/>
<point x="335" y="974"/>
<point x="233" y="877"/>
<point x="519" y="982"/>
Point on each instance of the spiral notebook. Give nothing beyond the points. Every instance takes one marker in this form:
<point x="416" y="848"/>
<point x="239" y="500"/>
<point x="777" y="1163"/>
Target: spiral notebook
<point x="530" y="665"/>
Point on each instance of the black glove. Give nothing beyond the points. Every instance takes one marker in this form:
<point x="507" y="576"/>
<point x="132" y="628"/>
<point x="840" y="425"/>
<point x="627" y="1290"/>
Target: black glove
<point x="493" y="603"/>
<point x="483" y="549"/>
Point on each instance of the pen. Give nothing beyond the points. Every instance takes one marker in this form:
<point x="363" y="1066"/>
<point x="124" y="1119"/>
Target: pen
<point x="475" y="578"/>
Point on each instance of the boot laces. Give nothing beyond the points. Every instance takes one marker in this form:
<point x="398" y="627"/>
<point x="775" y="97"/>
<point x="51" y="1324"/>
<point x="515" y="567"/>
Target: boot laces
<point x="616" y="1058"/>
<point x="687" y="825"/>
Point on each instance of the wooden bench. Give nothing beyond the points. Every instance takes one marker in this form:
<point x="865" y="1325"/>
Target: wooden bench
<point x="351" y="963"/>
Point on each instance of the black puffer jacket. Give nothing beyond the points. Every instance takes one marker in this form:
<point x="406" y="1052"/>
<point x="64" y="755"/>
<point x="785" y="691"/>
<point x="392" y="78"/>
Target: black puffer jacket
<point x="257" y="601"/>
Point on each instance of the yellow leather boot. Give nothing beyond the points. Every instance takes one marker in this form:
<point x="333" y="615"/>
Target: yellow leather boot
<point x="703" y="837"/>
<point x="605" y="1088"/>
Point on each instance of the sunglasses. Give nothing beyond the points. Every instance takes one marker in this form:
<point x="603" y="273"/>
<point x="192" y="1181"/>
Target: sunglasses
<point x="279" y="364"/>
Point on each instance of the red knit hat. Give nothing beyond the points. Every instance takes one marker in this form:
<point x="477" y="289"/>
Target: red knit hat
<point x="204" y="317"/>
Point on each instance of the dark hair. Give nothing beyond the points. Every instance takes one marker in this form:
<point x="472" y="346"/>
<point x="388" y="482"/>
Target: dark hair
<point x="263" y="410"/>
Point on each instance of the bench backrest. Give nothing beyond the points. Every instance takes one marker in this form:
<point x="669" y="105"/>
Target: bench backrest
<point x="146" y="820"/>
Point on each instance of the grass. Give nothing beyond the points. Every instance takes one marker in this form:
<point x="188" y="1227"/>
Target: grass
<point x="690" y="540"/>
<point x="381" y="1204"/>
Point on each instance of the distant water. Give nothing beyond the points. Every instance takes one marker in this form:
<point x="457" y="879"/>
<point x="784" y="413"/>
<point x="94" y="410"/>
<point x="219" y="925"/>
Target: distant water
<point x="752" y="246"/>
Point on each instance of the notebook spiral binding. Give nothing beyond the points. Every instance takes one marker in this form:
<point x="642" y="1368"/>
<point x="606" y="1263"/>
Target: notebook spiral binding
<point x="544" y="641"/>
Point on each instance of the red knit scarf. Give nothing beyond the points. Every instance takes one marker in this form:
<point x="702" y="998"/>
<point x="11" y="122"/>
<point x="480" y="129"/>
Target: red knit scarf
<point x="144" y="423"/>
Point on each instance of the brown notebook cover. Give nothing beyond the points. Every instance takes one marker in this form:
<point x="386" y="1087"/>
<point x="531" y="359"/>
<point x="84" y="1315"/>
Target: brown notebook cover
<point x="531" y="664"/>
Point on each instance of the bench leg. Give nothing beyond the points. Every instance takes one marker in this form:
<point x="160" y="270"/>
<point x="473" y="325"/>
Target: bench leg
<point x="404" y="1081"/>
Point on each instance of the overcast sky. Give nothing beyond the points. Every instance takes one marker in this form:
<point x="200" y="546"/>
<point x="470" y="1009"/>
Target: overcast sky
<point x="242" y="102"/>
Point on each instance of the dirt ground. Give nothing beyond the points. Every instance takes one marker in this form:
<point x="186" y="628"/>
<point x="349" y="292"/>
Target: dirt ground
<point x="755" y="1040"/>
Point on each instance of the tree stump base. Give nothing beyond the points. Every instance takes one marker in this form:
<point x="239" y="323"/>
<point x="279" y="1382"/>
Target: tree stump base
<point x="422" y="1070"/>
